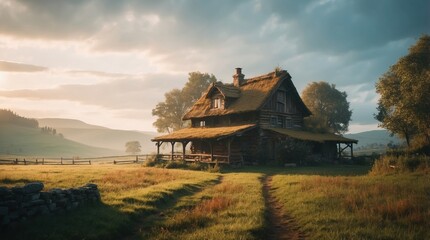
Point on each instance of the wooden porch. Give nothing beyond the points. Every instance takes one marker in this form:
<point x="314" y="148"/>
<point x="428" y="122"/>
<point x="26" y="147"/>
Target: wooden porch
<point x="211" y="157"/>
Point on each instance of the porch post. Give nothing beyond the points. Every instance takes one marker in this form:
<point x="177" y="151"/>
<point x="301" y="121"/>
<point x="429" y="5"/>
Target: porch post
<point x="184" y="145"/>
<point x="173" y="149"/>
<point x="212" y="150"/>
<point x="352" y="152"/>
<point x="158" y="147"/>
<point x="228" y="149"/>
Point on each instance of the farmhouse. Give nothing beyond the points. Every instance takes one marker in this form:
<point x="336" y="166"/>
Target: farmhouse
<point x="247" y="121"/>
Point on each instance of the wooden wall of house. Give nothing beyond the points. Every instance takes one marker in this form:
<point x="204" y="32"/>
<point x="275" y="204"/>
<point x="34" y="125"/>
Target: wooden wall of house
<point x="281" y="110"/>
<point x="226" y="120"/>
<point x="270" y="118"/>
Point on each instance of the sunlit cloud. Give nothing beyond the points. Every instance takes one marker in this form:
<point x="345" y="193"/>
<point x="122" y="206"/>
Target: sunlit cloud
<point x="20" y="67"/>
<point x="122" y="56"/>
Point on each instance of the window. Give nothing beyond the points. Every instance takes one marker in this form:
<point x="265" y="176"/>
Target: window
<point x="202" y="123"/>
<point x="273" y="121"/>
<point x="217" y="102"/>
<point x="280" y="122"/>
<point x="280" y="101"/>
<point x="288" y="123"/>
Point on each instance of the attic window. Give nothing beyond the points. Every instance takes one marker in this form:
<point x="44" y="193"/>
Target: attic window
<point x="202" y="123"/>
<point x="217" y="102"/>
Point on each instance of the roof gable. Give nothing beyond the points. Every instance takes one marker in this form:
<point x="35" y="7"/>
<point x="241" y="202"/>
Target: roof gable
<point x="250" y="96"/>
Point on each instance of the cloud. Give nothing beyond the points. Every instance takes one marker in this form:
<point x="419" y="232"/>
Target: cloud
<point x="348" y="43"/>
<point x="98" y="74"/>
<point x="134" y="93"/>
<point x="20" y="67"/>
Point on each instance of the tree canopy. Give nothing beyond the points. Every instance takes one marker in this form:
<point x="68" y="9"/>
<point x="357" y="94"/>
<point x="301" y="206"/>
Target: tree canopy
<point x="132" y="147"/>
<point x="329" y="107"/>
<point x="169" y="113"/>
<point x="404" y="105"/>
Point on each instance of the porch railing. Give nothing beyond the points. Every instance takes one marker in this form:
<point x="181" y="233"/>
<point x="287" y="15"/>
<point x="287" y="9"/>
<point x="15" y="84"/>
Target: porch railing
<point x="206" y="158"/>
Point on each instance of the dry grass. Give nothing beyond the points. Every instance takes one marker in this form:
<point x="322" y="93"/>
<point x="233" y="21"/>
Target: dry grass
<point x="376" y="207"/>
<point x="127" y="191"/>
<point x="232" y="209"/>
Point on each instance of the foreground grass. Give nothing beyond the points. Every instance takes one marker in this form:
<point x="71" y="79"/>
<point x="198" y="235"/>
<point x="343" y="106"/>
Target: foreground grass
<point x="233" y="209"/>
<point x="328" y="202"/>
<point x="127" y="192"/>
<point x="361" y="207"/>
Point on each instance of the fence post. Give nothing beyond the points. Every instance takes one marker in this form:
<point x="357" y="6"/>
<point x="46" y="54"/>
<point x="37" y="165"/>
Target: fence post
<point x="137" y="158"/>
<point x="37" y="161"/>
<point x="114" y="162"/>
<point x="89" y="161"/>
<point x="61" y="160"/>
<point x="73" y="160"/>
<point x="25" y="162"/>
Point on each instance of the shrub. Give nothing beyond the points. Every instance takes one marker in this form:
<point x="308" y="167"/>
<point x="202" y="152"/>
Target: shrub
<point x="175" y="164"/>
<point x="215" y="169"/>
<point x="402" y="163"/>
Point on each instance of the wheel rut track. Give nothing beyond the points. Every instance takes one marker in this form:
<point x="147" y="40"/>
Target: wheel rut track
<point x="144" y="222"/>
<point x="280" y="225"/>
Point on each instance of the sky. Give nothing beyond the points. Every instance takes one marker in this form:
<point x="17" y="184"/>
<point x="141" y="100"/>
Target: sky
<point x="110" y="62"/>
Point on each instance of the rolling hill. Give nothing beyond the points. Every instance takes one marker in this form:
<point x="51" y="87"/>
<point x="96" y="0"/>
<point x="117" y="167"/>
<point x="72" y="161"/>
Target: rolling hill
<point x="21" y="140"/>
<point x="98" y="136"/>
<point x="372" y="137"/>
<point x="374" y="141"/>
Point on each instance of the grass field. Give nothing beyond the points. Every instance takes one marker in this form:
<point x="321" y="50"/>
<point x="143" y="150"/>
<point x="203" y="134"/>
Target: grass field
<point x="327" y="202"/>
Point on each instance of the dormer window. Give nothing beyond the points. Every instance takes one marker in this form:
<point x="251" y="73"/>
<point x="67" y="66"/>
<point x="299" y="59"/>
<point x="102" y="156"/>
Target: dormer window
<point x="217" y="102"/>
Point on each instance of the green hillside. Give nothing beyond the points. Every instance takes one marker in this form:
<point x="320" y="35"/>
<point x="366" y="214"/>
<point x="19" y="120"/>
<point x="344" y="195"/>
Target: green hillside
<point x="97" y="136"/>
<point x="20" y="140"/>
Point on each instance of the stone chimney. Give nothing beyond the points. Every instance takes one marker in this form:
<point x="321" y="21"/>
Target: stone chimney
<point x="238" y="78"/>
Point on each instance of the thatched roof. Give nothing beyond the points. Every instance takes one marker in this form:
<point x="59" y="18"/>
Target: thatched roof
<point x="196" y="133"/>
<point x="227" y="90"/>
<point x="251" y="96"/>
<point x="315" y="137"/>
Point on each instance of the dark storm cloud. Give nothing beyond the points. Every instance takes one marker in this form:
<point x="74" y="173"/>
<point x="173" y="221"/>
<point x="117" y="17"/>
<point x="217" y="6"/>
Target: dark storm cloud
<point x="20" y="67"/>
<point x="340" y="26"/>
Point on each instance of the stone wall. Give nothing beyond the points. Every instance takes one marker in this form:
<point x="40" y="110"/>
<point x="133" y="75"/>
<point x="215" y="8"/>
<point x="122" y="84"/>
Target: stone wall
<point x="20" y="203"/>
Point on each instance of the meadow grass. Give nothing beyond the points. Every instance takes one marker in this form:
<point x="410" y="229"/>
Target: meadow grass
<point x="327" y="202"/>
<point x="233" y="209"/>
<point x="127" y="192"/>
<point x="359" y="207"/>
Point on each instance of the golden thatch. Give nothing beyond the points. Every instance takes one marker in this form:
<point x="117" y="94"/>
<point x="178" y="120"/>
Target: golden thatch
<point x="250" y="96"/>
<point x="227" y="90"/>
<point x="197" y="133"/>
<point x="309" y="136"/>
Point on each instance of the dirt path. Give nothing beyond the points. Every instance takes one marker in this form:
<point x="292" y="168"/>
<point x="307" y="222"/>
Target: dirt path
<point x="280" y="226"/>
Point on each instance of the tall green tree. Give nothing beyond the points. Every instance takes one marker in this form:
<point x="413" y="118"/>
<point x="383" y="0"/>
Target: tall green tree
<point x="404" y="105"/>
<point x="169" y="112"/>
<point x="329" y="107"/>
<point x="132" y="147"/>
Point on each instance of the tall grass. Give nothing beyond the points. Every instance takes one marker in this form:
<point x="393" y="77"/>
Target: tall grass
<point x="233" y="209"/>
<point x="127" y="192"/>
<point x="401" y="163"/>
<point x="365" y="207"/>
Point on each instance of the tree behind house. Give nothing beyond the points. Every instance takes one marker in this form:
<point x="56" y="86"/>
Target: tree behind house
<point x="329" y="107"/>
<point x="170" y="112"/>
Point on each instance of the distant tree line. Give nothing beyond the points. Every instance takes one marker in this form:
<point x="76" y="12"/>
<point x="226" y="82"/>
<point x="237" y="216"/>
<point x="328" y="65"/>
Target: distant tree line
<point x="9" y="117"/>
<point x="48" y="130"/>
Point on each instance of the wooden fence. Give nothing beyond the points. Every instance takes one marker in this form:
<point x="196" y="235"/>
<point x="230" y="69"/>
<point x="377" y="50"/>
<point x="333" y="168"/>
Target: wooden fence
<point x="127" y="159"/>
<point x="43" y="161"/>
